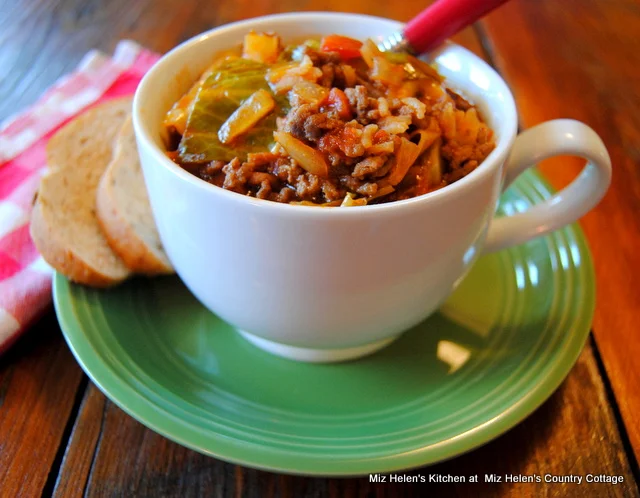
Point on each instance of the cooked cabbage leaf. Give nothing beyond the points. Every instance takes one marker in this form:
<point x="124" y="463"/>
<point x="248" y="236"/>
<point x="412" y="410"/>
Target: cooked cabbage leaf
<point x="233" y="81"/>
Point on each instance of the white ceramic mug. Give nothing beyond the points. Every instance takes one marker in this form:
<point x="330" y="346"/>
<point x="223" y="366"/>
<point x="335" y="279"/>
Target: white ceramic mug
<point x="331" y="284"/>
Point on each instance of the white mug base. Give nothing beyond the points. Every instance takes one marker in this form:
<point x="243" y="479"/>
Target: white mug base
<point x="311" y="355"/>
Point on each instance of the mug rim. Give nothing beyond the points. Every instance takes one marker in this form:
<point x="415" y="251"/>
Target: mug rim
<point x="166" y="63"/>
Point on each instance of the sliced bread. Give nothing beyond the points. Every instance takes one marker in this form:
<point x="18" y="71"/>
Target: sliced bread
<point x="64" y="225"/>
<point x="124" y="211"/>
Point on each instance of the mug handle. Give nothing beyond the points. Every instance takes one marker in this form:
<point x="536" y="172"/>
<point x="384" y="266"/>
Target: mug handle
<point x="553" y="138"/>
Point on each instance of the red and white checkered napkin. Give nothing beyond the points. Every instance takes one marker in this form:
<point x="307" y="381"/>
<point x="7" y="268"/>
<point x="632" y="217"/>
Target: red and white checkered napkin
<point x="25" y="278"/>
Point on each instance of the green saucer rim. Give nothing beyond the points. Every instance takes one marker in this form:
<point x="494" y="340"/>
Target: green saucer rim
<point x="145" y="411"/>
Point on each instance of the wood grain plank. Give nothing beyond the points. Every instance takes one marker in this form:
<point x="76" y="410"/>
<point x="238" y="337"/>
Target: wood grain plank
<point x="38" y="383"/>
<point x="565" y="436"/>
<point x="78" y="458"/>
<point x="44" y="39"/>
<point x="586" y="66"/>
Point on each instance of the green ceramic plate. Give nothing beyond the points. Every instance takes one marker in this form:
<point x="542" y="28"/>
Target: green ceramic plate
<point x="498" y="348"/>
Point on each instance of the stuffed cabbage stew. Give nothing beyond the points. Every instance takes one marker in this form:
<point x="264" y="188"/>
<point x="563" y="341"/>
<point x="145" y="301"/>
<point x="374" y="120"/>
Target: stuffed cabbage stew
<point x="325" y="122"/>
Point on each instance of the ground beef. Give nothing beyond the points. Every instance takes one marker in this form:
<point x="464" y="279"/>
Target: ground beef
<point x="358" y="126"/>
<point x="368" y="189"/>
<point x="296" y="119"/>
<point x="359" y="100"/>
<point x="328" y="75"/>
<point x="459" y="102"/>
<point x="264" y="192"/>
<point x="236" y="176"/>
<point x="308" y="186"/>
<point x="286" y="194"/>
<point x="321" y="58"/>
<point x="317" y="124"/>
<point x="332" y="191"/>
<point x="337" y="76"/>
<point x="372" y="87"/>
<point x="362" y="187"/>
<point x="369" y="166"/>
<point x="287" y="170"/>
<point x="210" y="171"/>
<point x="457" y="155"/>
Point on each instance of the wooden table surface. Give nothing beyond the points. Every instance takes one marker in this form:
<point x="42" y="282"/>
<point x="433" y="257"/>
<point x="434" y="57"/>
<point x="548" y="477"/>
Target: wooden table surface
<point x="573" y="58"/>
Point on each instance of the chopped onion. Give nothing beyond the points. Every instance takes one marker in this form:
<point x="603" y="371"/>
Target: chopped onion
<point x="307" y="157"/>
<point x="307" y="92"/>
<point x="261" y="47"/>
<point x="427" y="137"/>
<point x="309" y="203"/>
<point x="382" y="191"/>
<point x="405" y="157"/>
<point x="349" y="200"/>
<point x="384" y="147"/>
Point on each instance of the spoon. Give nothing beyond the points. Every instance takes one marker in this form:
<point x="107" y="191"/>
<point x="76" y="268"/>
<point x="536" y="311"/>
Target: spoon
<point x="436" y="23"/>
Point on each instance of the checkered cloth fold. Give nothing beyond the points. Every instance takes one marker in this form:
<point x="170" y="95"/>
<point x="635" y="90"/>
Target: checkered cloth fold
<point x="25" y="278"/>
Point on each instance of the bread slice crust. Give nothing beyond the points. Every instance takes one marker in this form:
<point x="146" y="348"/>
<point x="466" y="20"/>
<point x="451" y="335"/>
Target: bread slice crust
<point x="64" y="225"/>
<point x="124" y="211"/>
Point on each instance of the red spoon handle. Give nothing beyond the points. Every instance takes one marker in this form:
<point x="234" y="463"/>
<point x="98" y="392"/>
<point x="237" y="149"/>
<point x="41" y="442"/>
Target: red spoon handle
<point x="443" y="19"/>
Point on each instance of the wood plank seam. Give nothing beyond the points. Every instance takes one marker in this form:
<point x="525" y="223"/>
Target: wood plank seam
<point x="585" y="67"/>
<point x="96" y="450"/>
<point x="489" y="51"/>
<point x="79" y="455"/>
<point x="56" y="465"/>
<point x="490" y="55"/>
<point x="615" y="409"/>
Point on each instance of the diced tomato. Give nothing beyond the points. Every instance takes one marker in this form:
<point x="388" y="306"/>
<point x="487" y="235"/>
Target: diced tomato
<point x="380" y="136"/>
<point x="350" y="143"/>
<point x="330" y="143"/>
<point x="348" y="48"/>
<point x="339" y="101"/>
<point x="340" y="141"/>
